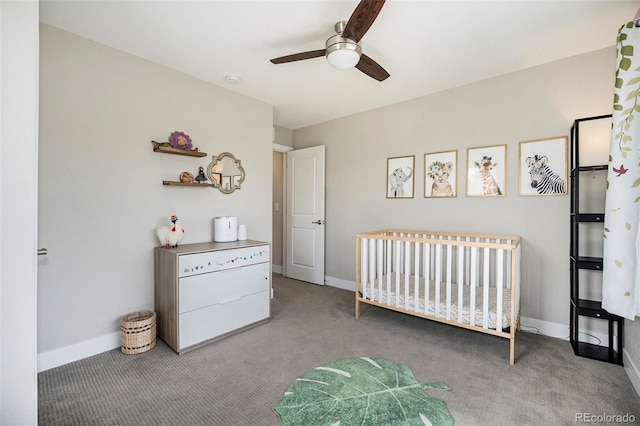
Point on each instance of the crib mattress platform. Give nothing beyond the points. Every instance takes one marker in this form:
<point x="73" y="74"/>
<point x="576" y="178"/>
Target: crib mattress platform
<point x="449" y="311"/>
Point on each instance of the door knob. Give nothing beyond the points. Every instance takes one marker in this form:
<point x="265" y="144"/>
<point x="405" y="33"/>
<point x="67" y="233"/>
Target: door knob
<point x="318" y="222"/>
<point x="42" y="252"/>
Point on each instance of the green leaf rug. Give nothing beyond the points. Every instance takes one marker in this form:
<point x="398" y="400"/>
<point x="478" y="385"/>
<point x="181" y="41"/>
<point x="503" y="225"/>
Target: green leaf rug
<point x="361" y="391"/>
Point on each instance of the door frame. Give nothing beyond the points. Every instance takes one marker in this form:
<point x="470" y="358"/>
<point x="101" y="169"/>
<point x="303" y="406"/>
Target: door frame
<point x="283" y="149"/>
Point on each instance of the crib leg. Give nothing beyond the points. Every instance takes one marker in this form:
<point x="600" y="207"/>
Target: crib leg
<point x="357" y="308"/>
<point x="512" y="351"/>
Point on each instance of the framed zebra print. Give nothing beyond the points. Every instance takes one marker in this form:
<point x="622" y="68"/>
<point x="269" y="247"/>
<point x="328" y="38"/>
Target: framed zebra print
<point x="543" y="167"/>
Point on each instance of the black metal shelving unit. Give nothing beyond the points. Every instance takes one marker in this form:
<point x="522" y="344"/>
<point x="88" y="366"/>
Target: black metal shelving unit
<point x="582" y="308"/>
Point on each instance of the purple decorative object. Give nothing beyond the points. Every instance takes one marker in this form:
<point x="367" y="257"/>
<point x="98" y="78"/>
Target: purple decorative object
<point x="179" y="140"/>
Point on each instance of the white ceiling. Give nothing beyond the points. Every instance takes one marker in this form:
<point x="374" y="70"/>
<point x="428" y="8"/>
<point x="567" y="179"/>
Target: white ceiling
<point x="426" y="46"/>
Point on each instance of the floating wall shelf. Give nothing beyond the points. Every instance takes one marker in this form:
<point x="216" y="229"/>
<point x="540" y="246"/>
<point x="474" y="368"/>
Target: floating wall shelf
<point x="176" y="183"/>
<point x="169" y="150"/>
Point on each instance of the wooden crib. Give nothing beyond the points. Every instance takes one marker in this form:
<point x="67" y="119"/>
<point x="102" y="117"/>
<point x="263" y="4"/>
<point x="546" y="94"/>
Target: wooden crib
<point x="477" y="277"/>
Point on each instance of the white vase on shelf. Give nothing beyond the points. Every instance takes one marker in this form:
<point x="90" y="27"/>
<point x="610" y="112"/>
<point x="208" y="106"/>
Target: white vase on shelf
<point x="242" y="232"/>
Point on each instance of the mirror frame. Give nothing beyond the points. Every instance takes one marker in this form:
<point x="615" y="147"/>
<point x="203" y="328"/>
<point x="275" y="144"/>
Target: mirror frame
<point x="214" y="181"/>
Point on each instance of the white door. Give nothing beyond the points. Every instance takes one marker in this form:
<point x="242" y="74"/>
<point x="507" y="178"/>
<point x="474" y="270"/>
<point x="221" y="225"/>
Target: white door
<point x="18" y="206"/>
<point x="305" y="214"/>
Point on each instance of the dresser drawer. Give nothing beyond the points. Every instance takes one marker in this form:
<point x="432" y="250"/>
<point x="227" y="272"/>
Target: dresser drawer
<point x="200" y="263"/>
<point x="221" y="287"/>
<point x="213" y="321"/>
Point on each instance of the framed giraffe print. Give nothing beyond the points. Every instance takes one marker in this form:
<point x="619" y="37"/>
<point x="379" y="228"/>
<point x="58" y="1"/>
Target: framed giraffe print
<point x="441" y="170"/>
<point x="543" y="167"/>
<point x="486" y="171"/>
<point x="400" y="177"/>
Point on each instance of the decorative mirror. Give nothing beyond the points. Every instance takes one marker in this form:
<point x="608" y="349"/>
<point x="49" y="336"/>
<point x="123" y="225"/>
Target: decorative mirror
<point x="225" y="172"/>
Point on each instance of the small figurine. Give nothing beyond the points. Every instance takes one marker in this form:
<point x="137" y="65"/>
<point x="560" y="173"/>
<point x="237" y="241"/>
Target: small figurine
<point x="180" y="140"/>
<point x="177" y="140"/>
<point x="201" y="178"/>
<point x="186" y="177"/>
<point x="157" y="144"/>
<point x="169" y="236"/>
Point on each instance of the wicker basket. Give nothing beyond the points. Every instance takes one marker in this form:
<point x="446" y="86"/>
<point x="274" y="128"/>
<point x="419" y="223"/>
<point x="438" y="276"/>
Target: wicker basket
<point x="138" y="332"/>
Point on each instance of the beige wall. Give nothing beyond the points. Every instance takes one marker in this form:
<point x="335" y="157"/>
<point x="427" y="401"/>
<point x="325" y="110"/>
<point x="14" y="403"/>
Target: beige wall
<point x="536" y="103"/>
<point x="100" y="185"/>
<point x="283" y="136"/>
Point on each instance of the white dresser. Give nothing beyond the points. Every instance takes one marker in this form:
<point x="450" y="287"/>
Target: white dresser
<point x="207" y="291"/>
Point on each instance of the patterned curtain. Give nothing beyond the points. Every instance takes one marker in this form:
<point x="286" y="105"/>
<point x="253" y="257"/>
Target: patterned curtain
<point x="621" y="269"/>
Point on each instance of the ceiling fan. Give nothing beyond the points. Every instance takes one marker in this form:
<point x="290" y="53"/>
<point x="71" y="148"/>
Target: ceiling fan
<point x="344" y="50"/>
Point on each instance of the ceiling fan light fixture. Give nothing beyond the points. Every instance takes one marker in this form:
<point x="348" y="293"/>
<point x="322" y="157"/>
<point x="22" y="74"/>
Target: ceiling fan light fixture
<point x="342" y="53"/>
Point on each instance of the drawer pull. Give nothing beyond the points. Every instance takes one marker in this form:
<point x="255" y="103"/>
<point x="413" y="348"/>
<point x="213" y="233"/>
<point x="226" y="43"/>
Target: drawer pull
<point x="232" y="299"/>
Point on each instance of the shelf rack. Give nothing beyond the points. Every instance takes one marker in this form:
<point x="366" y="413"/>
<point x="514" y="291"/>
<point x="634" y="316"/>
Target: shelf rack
<point x="582" y="308"/>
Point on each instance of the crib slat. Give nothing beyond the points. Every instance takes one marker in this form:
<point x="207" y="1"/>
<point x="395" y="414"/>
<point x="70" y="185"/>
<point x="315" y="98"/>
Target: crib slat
<point x="427" y="275"/>
<point x="397" y="270"/>
<point x="485" y="289"/>
<point x="407" y="272"/>
<point x="448" y="310"/>
<point x="389" y="269"/>
<point x="499" y="287"/>
<point x="473" y="275"/>
<point x="461" y="282"/>
<point x="416" y="278"/>
<point x="437" y="280"/>
<point x="363" y="266"/>
<point x="372" y="265"/>
<point x="379" y="263"/>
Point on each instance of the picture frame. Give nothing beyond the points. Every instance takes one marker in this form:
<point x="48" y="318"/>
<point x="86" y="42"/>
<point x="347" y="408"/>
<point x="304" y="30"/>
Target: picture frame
<point x="543" y="168"/>
<point x="440" y="174"/>
<point x="486" y="171"/>
<point x="226" y="182"/>
<point x="400" y="177"/>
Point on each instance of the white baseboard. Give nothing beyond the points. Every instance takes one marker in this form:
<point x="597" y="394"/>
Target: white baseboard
<point x="632" y="370"/>
<point x="62" y="356"/>
<point x="340" y="283"/>
<point x="276" y="269"/>
<point x="561" y="331"/>
<point x="551" y="329"/>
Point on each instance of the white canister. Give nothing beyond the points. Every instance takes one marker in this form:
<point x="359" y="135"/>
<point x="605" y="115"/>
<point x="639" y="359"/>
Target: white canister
<point x="225" y="229"/>
<point x="242" y="231"/>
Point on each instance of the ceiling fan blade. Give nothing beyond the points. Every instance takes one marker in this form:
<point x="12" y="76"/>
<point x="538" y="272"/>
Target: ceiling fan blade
<point x="362" y="18"/>
<point x="371" y="68"/>
<point x="298" y="56"/>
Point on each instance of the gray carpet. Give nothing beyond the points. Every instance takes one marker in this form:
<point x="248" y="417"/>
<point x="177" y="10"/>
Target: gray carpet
<point x="237" y="381"/>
